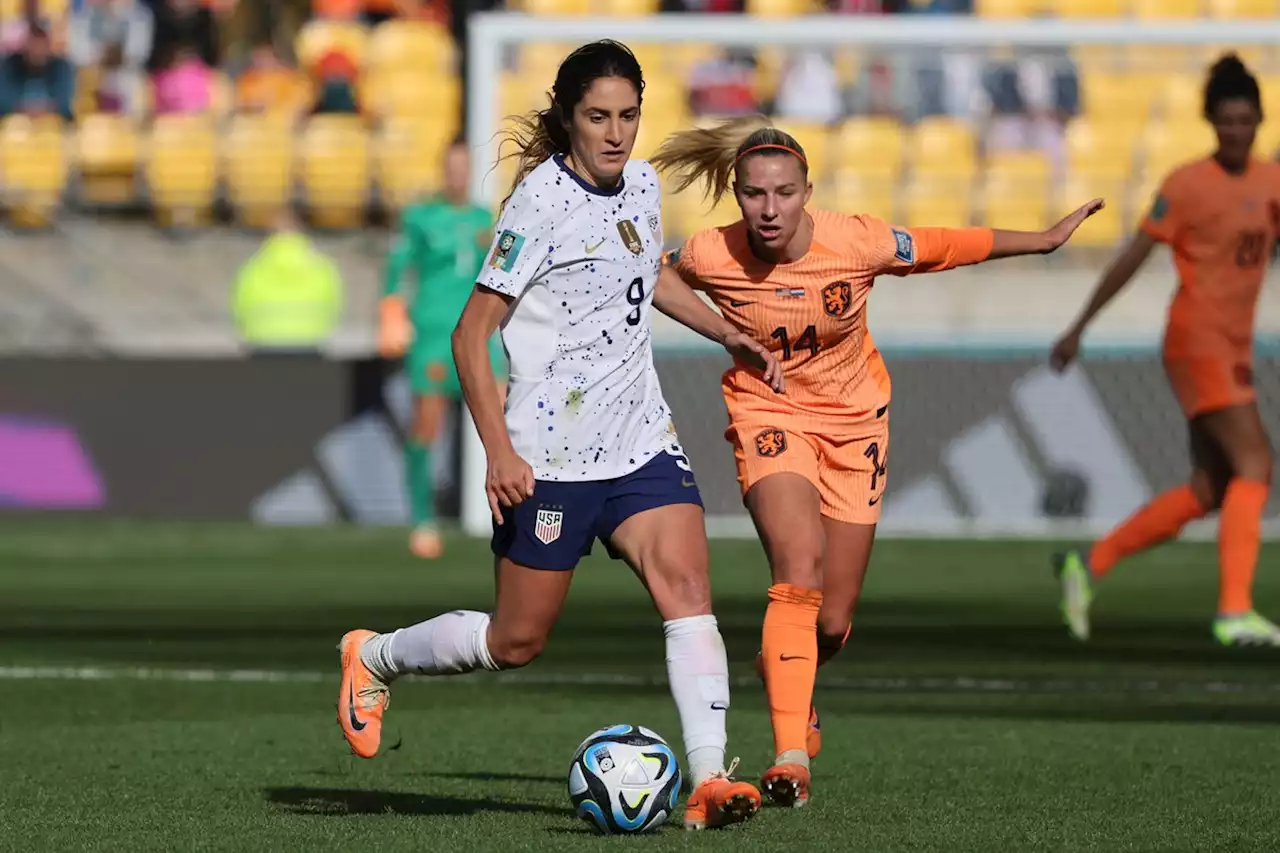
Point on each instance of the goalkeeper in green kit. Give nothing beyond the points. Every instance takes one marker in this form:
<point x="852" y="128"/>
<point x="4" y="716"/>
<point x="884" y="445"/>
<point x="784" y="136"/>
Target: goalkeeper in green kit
<point x="444" y="241"/>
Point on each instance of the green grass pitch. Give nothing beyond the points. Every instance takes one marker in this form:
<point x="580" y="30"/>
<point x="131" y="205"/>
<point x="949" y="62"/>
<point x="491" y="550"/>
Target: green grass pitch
<point x="134" y="714"/>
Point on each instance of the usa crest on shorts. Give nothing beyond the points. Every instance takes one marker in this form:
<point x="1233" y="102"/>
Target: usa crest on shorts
<point x="548" y="524"/>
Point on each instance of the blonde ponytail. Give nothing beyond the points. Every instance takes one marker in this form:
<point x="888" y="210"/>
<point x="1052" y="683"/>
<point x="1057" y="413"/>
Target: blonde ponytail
<point x="707" y="154"/>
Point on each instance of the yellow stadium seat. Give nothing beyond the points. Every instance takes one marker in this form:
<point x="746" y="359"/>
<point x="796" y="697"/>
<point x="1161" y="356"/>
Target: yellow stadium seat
<point x="318" y="37"/>
<point x="407" y="160"/>
<point x="1113" y="95"/>
<point x="1101" y="148"/>
<point x="815" y="139"/>
<point x="1087" y="8"/>
<point x="682" y="57"/>
<point x="1270" y="86"/>
<point x="1107" y="226"/>
<point x="1014" y="193"/>
<point x="629" y="8"/>
<point x="411" y="93"/>
<point x="410" y="45"/>
<point x="107" y="152"/>
<point x="517" y="95"/>
<point x="859" y="192"/>
<point x="870" y="146"/>
<point x="182" y="169"/>
<point x="556" y="8"/>
<point x="1163" y="9"/>
<point x="540" y="60"/>
<point x="1008" y="8"/>
<point x="778" y="8"/>
<point x="942" y="147"/>
<point x="33" y="162"/>
<point x="1267" y="145"/>
<point x="333" y="161"/>
<point x="257" y="162"/>
<point x="1167" y="145"/>
<point x="941" y="203"/>
<point x="1182" y="98"/>
<point x="1243" y="8"/>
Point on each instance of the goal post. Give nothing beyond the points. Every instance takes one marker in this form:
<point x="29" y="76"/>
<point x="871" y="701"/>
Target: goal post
<point x="986" y="441"/>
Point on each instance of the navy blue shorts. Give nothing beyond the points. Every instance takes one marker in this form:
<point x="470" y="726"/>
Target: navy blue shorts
<point x="557" y="527"/>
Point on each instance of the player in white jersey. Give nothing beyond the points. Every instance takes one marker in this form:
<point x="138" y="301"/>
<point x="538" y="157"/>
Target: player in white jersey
<point x="587" y="449"/>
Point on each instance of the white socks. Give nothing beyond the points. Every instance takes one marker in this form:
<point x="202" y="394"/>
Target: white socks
<point x="699" y="674"/>
<point x="450" y="644"/>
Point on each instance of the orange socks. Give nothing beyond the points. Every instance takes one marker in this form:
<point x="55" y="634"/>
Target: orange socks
<point x="1239" y="536"/>
<point x="789" y="651"/>
<point x="1159" y="520"/>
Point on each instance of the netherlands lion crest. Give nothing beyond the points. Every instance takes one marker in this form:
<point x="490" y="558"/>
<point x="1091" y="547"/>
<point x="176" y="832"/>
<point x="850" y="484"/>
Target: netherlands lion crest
<point x="837" y="297"/>
<point x="771" y="442"/>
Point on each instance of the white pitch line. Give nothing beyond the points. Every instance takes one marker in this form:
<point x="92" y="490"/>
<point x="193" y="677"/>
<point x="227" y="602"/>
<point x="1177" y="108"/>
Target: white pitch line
<point x="955" y="685"/>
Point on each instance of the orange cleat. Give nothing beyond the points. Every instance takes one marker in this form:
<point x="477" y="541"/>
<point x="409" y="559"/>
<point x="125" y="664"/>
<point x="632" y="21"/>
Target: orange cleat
<point x="786" y="785"/>
<point x="362" y="699"/>
<point x="720" y="801"/>
<point x="425" y="542"/>
<point x="813" y="740"/>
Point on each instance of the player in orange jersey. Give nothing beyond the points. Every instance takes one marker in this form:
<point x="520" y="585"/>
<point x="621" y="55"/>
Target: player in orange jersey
<point x="811" y="463"/>
<point x="1218" y="214"/>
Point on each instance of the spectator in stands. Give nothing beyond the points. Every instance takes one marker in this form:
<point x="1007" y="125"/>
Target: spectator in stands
<point x="724" y="85"/>
<point x="336" y="84"/>
<point x="703" y="7"/>
<point x="182" y="24"/>
<point x="98" y="26"/>
<point x="288" y="297"/>
<point x="185" y="85"/>
<point x="49" y="17"/>
<point x="268" y="85"/>
<point x="119" y="88"/>
<point x="35" y="81"/>
<point x="810" y="89"/>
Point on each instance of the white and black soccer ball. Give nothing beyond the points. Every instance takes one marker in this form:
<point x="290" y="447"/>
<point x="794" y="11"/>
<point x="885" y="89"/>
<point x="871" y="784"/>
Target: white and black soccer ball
<point x="624" y="780"/>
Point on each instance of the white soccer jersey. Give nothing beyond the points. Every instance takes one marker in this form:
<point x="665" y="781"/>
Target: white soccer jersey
<point x="581" y="262"/>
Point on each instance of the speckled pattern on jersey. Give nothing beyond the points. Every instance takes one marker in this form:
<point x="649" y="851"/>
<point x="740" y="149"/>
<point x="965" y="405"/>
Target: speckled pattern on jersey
<point x="581" y="263"/>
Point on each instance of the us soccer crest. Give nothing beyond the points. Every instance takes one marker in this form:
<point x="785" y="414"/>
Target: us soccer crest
<point x="653" y="222"/>
<point x="547" y="527"/>
<point x="630" y="236"/>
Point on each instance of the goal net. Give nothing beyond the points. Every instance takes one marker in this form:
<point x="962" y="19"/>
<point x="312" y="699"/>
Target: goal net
<point x="951" y="122"/>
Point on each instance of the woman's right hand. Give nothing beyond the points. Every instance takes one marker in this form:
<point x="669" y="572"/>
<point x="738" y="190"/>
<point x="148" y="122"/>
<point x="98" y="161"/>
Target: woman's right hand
<point x="508" y="482"/>
<point x="1065" y="351"/>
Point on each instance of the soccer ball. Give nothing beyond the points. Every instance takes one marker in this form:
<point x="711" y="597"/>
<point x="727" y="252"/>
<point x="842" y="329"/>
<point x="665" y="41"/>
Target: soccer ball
<point x="624" y="780"/>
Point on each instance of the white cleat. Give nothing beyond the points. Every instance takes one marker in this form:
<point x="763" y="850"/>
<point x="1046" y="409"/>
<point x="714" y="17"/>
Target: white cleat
<point x="1248" y="629"/>
<point x="1077" y="593"/>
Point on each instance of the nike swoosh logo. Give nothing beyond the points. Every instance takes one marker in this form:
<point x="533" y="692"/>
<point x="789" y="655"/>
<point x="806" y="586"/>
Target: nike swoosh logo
<point x="688" y="484"/>
<point x="874" y="501"/>
<point x="591" y="249"/>
<point x="792" y="657"/>
<point x="738" y="303"/>
<point x="719" y="706"/>
<point x="356" y="722"/>
<point x="632" y="813"/>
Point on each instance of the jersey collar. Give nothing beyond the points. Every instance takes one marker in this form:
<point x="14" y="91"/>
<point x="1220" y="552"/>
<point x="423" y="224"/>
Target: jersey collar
<point x="584" y="183"/>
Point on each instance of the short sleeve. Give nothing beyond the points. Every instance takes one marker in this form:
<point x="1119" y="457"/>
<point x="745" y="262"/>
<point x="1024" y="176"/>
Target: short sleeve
<point x="683" y="261"/>
<point x="1162" y="222"/>
<point x="520" y="242"/>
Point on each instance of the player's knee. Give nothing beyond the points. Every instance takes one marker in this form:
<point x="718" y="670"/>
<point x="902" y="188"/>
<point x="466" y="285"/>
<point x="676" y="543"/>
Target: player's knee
<point x="512" y="650"/>
<point x="799" y="566"/>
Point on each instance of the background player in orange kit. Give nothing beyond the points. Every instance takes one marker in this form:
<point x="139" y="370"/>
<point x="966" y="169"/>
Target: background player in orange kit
<point x="811" y="463"/>
<point x="1219" y="216"/>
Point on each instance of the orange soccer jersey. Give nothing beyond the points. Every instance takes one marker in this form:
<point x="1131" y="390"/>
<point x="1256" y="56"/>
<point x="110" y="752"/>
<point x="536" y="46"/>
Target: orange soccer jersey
<point x="1221" y="228"/>
<point x="831" y="425"/>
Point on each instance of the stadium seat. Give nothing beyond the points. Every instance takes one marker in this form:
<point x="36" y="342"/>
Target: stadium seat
<point x="257" y="163"/>
<point x="1107" y="226"/>
<point x="1015" y="192"/>
<point x="318" y="37"/>
<point x="407" y="160"/>
<point x="815" y="139"/>
<point x="870" y="146"/>
<point x="936" y="202"/>
<point x="1166" y="145"/>
<point x="333" y="162"/>
<point x="1008" y="8"/>
<point x="1086" y="8"/>
<point x="410" y="45"/>
<point x="778" y="8"/>
<point x="629" y="8"/>
<point x="1270" y="85"/>
<point x="1243" y="8"/>
<point x="539" y="60"/>
<point x="1268" y="141"/>
<point x="1101" y="148"/>
<point x="410" y="93"/>
<point x="942" y="147"/>
<point x="854" y="191"/>
<point x="1164" y="9"/>
<point x="1110" y="95"/>
<point x="33" y="162"/>
<point x="1182" y="97"/>
<point x="107" y="159"/>
<point x="682" y="57"/>
<point x="518" y="94"/>
<point x="182" y="169"/>
<point x="556" y="8"/>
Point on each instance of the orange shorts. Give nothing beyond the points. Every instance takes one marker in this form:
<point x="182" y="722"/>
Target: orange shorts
<point x="1205" y="384"/>
<point x="848" y="471"/>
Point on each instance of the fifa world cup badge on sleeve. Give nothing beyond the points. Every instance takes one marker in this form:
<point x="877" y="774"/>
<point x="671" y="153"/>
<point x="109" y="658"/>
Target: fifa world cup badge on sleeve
<point x="504" y="256"/>
<point x="904" y="249"/>
<point x="1159" y="208"/>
